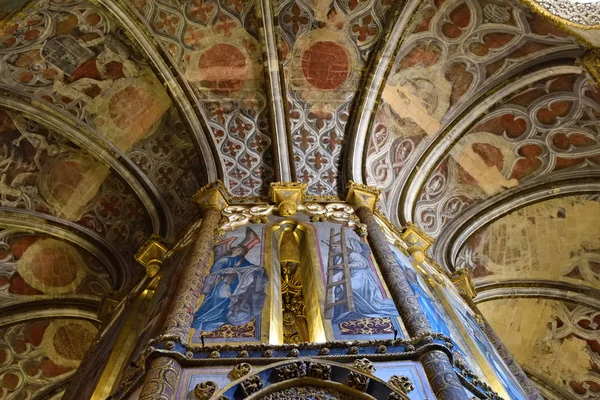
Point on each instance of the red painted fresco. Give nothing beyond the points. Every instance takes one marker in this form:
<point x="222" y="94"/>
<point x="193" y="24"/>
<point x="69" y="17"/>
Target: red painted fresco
<point x="326" y="65"/>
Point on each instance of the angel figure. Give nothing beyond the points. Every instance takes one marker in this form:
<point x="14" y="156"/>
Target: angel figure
<point x="234" y="289"/>
<point x="368" y="299"/>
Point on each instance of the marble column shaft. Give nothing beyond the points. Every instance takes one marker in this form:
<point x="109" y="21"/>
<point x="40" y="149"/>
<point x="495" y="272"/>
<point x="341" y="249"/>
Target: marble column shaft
<point x="438" y="367"/>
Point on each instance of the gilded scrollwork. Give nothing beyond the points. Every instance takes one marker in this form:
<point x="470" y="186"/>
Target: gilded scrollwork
<point x="290" y="371"/>
<point x="358" y="381"/>
<point x="365" y="365"/>
<point x="240" y="370"/>
<point x="205" y="390"/>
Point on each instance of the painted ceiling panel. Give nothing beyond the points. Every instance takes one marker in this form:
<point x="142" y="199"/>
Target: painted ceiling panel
<point x="41" y="355"/>
<point x="454" y="51"/>
<point x="325" y="48"/>
<point x="557" y="342"/>
<point x="44" y="172"/>
<point x="217" y="48"/>
<point x="555" y="240"/>
<point x="548" y="129"/>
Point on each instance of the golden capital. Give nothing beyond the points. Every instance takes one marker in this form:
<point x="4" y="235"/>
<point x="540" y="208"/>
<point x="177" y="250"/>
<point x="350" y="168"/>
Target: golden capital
<point x="590" y="61"/>
<point x="287" y="196"/>
<point x="213" y="195"/>
<point x="462" y="281"/>
<point x="360" y="195"/>
<point x="151" y="254"/>
<point x="416" y="240"/>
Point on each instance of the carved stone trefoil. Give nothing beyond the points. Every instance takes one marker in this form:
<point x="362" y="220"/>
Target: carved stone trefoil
<point x="402" y="383"/>
<point x="205" y="390"/>
<point x="240" y="370"/>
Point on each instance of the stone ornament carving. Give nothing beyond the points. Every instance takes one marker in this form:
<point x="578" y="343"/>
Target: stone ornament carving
<point x="205" y="390"/>
<point x="319" y="371"/>
<point x="290" y="371"/>
<point x="402" y="383"/>
<point x="307" y="392"/>
<point x="358" y="381"/>
<point x="365" y="365"/>
<point x="252" y="385"/>
<point x="240" y="370"/>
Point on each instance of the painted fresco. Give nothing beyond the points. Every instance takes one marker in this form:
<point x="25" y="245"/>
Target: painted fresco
<point x="234" y="291"/>
<point x="374" y="314"/>
<point x="41" y="354"/>
<point x="453" y="51"/>
<point x="541" y="131"/>
<point x="42" y="171"/>
<point x="325" y="47"/>
<point x="556" y="341"/>
<point x="217" y="46"/>
<point x="44" y="267"/>
<point x="81" y="64"/>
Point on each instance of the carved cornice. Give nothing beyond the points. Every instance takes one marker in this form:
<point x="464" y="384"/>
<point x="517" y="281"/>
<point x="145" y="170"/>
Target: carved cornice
<point x="462" y="281"/>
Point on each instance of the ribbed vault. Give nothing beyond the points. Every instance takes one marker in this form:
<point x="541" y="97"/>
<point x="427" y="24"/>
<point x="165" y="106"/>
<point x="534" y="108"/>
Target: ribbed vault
<point x="478" y="119"/>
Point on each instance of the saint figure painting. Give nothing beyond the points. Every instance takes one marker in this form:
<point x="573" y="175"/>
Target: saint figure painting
<point x="235" y="288"/>
<point x="368" y="299"/>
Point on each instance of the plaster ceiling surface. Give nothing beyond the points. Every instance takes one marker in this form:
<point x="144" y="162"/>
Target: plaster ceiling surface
<point x="475" y="119"/>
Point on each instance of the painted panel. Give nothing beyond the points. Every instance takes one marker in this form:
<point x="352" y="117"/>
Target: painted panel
<point x="234" y="291"/>
<point x="411" y="369"/>
<point x="374" y="315"/>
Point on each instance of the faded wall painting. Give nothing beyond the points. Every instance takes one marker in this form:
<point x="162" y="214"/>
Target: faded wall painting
<point x="44" y="267"/>
<point x="357" y="304"/>
<point x="234" y="291"/>
<point x="40" y="354"/>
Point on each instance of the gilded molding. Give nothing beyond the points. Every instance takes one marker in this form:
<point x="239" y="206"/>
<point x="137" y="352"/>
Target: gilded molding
<point x="590" y="61"/>
<point x="418" y="241"/>
<point x="287" y="196"/>
<point x="360" y="195"/>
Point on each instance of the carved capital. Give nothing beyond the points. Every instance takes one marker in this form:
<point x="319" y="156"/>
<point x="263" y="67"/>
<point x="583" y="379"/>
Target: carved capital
<point x="462" y="281"/>
<point x="360" y="195"/>
<point x="417" y="241"/>
<point x="287" y="196"/>
<point x="152" y="254"/>
<point x="590" y="61"/>
<point x="213" y="195"/>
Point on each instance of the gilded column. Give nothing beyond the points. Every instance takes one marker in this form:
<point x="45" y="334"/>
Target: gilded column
<point x="211" y="199"/>
<point x="436" y="363"/>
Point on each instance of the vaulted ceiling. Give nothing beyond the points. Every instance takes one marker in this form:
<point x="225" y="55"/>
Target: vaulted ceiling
<point x="474" y="117"/>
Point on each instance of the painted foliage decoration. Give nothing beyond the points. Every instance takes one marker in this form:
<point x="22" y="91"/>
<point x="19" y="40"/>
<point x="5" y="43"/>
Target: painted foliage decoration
<point x="325" y="47"/>
<point x="41" y="354"/>
<point x="234" y="290"/>
<point x="455" y="51"/>
<point x="547" y="129"/>
<point x="217" y="47"/>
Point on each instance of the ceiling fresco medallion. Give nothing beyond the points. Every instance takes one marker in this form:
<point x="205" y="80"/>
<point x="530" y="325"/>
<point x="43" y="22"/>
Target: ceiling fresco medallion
<point x="324" y="68"/>
<point x="52" y="267"/>
<point x="70" y="183"/>
<point x="225" y="65"/>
